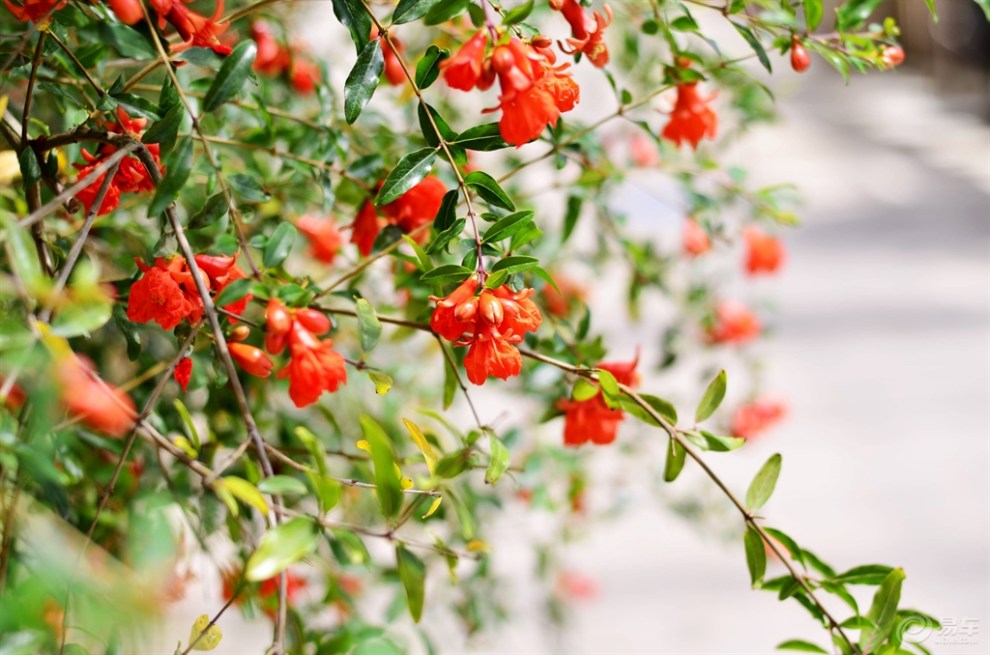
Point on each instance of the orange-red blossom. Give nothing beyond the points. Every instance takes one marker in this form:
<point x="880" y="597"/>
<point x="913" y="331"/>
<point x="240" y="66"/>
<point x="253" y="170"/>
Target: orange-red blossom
<point x="764" y="253"/>
<point x="489" y="324"/>
<point x="592" y="419"/>
<point x="692" y="119"/>
<point x="413" y="209"/>
<point x="587" y="31"/>
<point x="314" y="366"/>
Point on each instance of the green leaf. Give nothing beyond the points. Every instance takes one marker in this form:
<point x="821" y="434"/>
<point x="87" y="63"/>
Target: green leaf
<point x="244" y="491"/>
<point x="662" y="407"/>
<point x="584" y="389"/>
<point x="486" y="137"/>
<point x="813" y="13"/>
<point x="571" y="216"/>
<point x="449" y="382"/>
<point x="412" y="573"/>
<point x="279" y="244"/>
<point x="756" y="556"/>
<point x="387" y="486"/>
<point x="213" y="210"/>
<point x="353" y="16"/>
<point x="409" y="172"/>
<point x="800" y="646"/>
<point x="165" y="130"/>
<point x="755" y="44"/>
<point x="83" y="315"/>
<point x="933" y="11"/>
<point x="711" y="399"/>
<point x="676" y="456"/>
<point x="234" y="292"/>
<point x="234" y="72"/>
<point x="424" y="112"/>
<point x="869" y="574"/>
<point x="447" y="213"/>
<point x="515" y="264"/>
<point x="518" y="14"/>
<point x="486" y="187"/>
<point x="30" y="168"/>
<point x="440" y="242"/>
<point x="410" y="10"/>
<point x="282" y="485"/>
<point x="281" y="547"/>
<point x="383" y="381"/>
<point x="444" y="11"/>
<point x="363" y="79"/>
<point x="369" y="327"/>
<point x="714" y="442"/>
<point x="498" y="462"/>
<point x="447" y="274"/>
<point x="761" y="488"/>
<point x="247" y="188"/>
<point x="507" y="226"/>
<point x="137" y="106"/>
<point x="883" y="610"/>
<point x="610" y="388"/>
<point x="854" y="13"/>
<point x="985" y="6"/>
<point x="178" y="165"/>
<point x="428" y="66"/>
<point x="791" y="545"/>
<point x="684" y="24"/>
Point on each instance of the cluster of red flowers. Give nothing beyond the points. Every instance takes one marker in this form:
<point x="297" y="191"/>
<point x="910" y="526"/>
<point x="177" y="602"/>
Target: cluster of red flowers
<point x="413" y="209"/>
<point x="489" y="324"/>
<point x="591" y="419"/>
<point x="274" y="59"/>
<point x="131" y="176"/>
<point x="323" y="235"/>
<point x="587" y="31"/>
<point x="34" y="10"/>
<point x="314" y="366"/>
<point x="534" y="91"/>
<point x="196" y="30"/>
<point x="753" y="418"/>
<point x="166" y="292"/>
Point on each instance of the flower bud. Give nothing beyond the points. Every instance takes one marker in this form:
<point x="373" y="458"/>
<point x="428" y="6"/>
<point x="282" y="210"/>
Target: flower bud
<point x="313" y="320"/>
<point x="239" y="333"/>
<point x="491" y="307"/>
<point x="253" y="360"/>
<point x="800" y="59"/>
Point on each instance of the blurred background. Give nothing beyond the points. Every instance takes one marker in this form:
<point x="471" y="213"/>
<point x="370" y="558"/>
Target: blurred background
<point x="881" y="347"/>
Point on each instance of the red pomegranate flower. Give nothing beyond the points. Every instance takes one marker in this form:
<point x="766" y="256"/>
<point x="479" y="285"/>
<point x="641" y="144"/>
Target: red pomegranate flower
<point x="464" y="70"/>
<point x="158" y="296"/>
<point x="692" y="119"/>
<point x="410" y="211"/>
<point x="696" y="240"/>
<point x="734" y="324"/>
<point x="366" y="228"/>
<point x="34" y="10"/>
<point x="183" y="372"/>
<point x="587" y="32"/>
<point x="764" y="253"/>
<point x="490" y="324"/>
<point x="592" y="420"/>
<point x="324" y="237"/>
<point x="314" y="366"/>
<point x="754" y="418"/>
<point x="95" y="403"/>
<point x="196" y="30"/>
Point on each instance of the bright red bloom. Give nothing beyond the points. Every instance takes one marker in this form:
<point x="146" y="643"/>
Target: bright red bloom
<point x="692" y="118"/>
<point x="463" y="71"/>
<point x="324" y="237"/>
<point x="891" y="55"/>
<point x="253" y="360"/>
<point x="15" y="397"/>
<point x="128" y="11"/>
<point x="158" y="296"/>
<point x="366" y="228"/>
<point x="734" y="323"/>
<point x="592" y="420"/>
<point x="131" y="176"/>
<point x="34" y="10"/>
<point x="304" y="75"/>
<point x="696" y="240"/>
<point x="314" y="366"/>
<point x="95" y="403"/>
<point x="183" y="372"/>
<point x="587" y="32"/>
<point x="394" y="74"/>
<point x="765" y="253"/>
<point x="196" y="30"/>
<point x="490" y="324"/>
<point x="559" y="303"/>
<point x="417" y="206"/>
<point x="267" y="590"/>
<point x="534" y="92"/>
<point x="221" y="271"/>
<point x="753" y="418"/>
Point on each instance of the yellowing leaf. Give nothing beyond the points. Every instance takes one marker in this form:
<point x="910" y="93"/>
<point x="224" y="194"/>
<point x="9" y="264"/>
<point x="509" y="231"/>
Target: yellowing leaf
<point x="363" y="444"/>
<point x="477" y="546"/>
<point x="204" y="636"/>
<point x="405" y="483"/>
<point x="434" y="507"/>
<point x="246" y="492"/>
<point x="186" y="447"/>
<point x="424" y="446"/>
